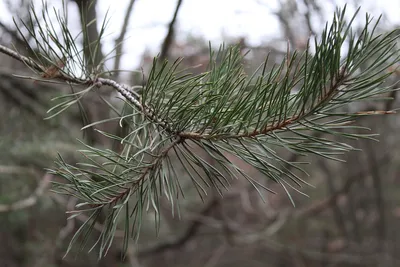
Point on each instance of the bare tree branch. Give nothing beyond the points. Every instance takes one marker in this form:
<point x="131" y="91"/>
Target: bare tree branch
<point x="180" y="240"/>
<point x="121" y="37"/>
<point x="322" y="205"/>
<point x="307" y="17"/>
<point x="170" y="34"/>
<point x="286" y="11"/>
<point x="29" y="62"/>
<point x="87" y="11"/>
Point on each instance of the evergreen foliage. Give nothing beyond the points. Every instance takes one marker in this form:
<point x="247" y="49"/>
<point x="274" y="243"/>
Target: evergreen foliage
<point x="218" y="113"/>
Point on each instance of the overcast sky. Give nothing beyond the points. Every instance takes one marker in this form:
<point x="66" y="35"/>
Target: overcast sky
<point x="212" y="19"/>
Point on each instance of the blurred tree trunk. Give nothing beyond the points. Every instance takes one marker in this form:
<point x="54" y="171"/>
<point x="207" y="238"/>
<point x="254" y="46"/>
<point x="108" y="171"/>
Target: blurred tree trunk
<point x="88" y="17"/>
<point x="95" y="108"/>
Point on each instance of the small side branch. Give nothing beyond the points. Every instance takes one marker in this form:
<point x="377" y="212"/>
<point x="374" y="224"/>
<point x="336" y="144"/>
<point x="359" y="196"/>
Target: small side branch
<point x="29" y="62"/>
<point x="123" y="89"/>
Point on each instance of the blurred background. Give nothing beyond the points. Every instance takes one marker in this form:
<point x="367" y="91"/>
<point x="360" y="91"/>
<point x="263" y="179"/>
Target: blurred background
<point x="352" y="214"/>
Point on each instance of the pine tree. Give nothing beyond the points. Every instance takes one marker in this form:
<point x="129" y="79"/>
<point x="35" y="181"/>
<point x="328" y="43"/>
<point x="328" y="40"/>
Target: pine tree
<point x="220" y="112"/>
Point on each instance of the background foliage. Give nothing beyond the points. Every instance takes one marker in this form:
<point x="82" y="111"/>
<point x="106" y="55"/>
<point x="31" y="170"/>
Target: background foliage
<point x="302" y="92"/>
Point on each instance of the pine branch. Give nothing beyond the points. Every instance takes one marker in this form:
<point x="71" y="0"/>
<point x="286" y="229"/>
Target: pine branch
<point x="123" y="89"/>
<point x="209" y="117"/>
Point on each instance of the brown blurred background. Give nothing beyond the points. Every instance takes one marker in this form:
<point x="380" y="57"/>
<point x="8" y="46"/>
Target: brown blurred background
<point x="351" y="218"/>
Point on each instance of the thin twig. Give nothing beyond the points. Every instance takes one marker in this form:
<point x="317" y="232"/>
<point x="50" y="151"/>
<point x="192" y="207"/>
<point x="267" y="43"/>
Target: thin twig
<point x="29" y="62"/>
